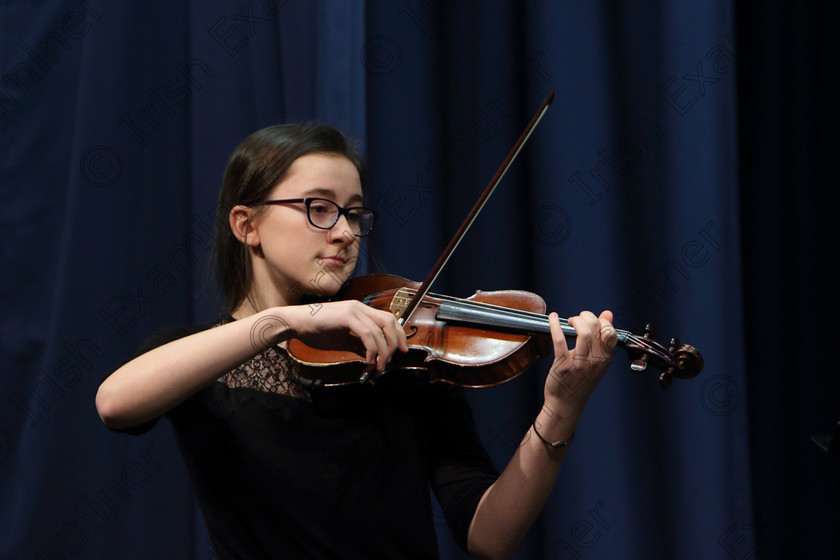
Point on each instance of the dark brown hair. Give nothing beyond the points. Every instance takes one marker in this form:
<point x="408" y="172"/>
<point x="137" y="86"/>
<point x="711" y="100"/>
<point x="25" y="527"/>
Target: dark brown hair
<point x="254" y="169"/>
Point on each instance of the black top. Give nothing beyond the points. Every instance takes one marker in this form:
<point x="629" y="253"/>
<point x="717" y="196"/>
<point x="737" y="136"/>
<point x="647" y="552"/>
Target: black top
<point x="337" y="473"/>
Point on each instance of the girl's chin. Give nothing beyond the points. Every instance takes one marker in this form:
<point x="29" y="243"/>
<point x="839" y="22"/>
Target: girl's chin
<point x="326" y="285"/>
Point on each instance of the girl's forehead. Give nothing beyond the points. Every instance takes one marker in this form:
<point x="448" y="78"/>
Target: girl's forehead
<point x="325" y="175"/>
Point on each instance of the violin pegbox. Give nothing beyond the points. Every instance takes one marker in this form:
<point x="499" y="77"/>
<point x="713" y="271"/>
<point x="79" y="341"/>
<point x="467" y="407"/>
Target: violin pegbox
<point x="682" y="361"/>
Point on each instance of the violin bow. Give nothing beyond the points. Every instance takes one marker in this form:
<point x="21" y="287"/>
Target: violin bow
<point x="479" y="204"/>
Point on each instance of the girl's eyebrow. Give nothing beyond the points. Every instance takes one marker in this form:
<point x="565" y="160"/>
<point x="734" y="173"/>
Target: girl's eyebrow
<point x="330" y="193"/>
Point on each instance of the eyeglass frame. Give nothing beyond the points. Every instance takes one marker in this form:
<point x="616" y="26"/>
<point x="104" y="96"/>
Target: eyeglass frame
<point x="307" y="201"/>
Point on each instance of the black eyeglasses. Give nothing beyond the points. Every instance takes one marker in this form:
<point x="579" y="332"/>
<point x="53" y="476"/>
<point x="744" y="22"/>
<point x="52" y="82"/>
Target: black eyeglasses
<point x="324" y="214"/>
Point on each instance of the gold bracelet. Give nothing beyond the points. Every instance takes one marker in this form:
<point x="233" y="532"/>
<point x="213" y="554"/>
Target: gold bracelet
<point x="556" y="444"/>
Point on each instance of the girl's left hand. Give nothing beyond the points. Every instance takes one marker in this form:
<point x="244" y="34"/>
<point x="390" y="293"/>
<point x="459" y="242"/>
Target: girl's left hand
<point x="575" y="373"/>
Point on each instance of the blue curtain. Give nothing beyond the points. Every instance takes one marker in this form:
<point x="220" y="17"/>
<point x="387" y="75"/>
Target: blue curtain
<point x="117" y="120"/>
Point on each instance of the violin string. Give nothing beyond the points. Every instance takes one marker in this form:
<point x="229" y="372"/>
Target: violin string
<point x="505" y="310"/>
<point x="517" y="312"/>
<point x="641" y="342"/>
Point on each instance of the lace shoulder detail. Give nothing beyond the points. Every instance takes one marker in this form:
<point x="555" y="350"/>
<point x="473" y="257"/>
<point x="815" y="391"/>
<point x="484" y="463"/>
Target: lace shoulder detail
<point x="271" y="372"/>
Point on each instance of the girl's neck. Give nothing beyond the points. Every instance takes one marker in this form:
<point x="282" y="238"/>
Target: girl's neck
<point x="259" y="300"/>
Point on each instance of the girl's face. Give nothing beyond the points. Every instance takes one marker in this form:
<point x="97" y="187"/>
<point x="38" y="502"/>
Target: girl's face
<point x="296" y="257"/>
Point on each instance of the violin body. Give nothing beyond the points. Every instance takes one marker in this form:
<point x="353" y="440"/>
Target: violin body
<point x="468" y="355"/>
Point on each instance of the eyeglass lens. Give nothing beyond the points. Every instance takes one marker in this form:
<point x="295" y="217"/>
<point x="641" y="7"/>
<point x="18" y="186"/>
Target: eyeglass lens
<point x="324" y="214"/>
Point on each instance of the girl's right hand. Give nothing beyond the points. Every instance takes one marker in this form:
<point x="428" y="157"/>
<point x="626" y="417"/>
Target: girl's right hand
<point x="348" y="325"/>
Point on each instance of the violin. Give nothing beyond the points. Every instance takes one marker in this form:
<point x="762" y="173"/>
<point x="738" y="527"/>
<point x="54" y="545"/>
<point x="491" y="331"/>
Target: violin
<point x="480" y="341"/>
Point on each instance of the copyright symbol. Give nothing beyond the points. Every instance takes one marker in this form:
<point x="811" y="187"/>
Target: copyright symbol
<point x="381" y="55"/>
<point x="101" y="166"/>
<point x="554" y="226"/>
<point x="261" y="337"/>
<point x="720" y="395"/>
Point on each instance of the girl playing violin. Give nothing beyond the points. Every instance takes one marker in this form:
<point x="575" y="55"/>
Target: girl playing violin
<point x="282" y="469"/>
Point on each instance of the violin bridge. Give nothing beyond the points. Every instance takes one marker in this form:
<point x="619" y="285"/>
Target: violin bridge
<point x="400" y="301"/>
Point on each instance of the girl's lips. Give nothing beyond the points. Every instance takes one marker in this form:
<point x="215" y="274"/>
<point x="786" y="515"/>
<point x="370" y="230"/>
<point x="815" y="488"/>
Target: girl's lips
<point x="334" y="261"/>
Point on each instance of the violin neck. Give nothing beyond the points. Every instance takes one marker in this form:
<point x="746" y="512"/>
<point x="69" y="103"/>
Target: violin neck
<point x="512" y="320"/>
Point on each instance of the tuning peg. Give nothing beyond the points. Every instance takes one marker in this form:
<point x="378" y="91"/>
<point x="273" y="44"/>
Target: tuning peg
<point x="640" y="364"/>
<point x="673" y="345"/>
<point x="666" y="377"/>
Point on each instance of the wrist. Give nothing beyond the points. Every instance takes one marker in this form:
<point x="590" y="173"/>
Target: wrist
<point x="271" y="327"/>
<point x="554" y="424"/>
<point x="553" y="444"/>
<point x="562" y="407"/>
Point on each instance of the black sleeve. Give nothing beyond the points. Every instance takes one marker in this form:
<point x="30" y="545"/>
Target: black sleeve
<point x="461" y="469"/>
<point x="159" y="338"/>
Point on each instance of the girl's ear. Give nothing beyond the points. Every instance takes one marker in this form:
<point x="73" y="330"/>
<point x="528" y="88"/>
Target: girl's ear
<point x="240" y="224"/>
